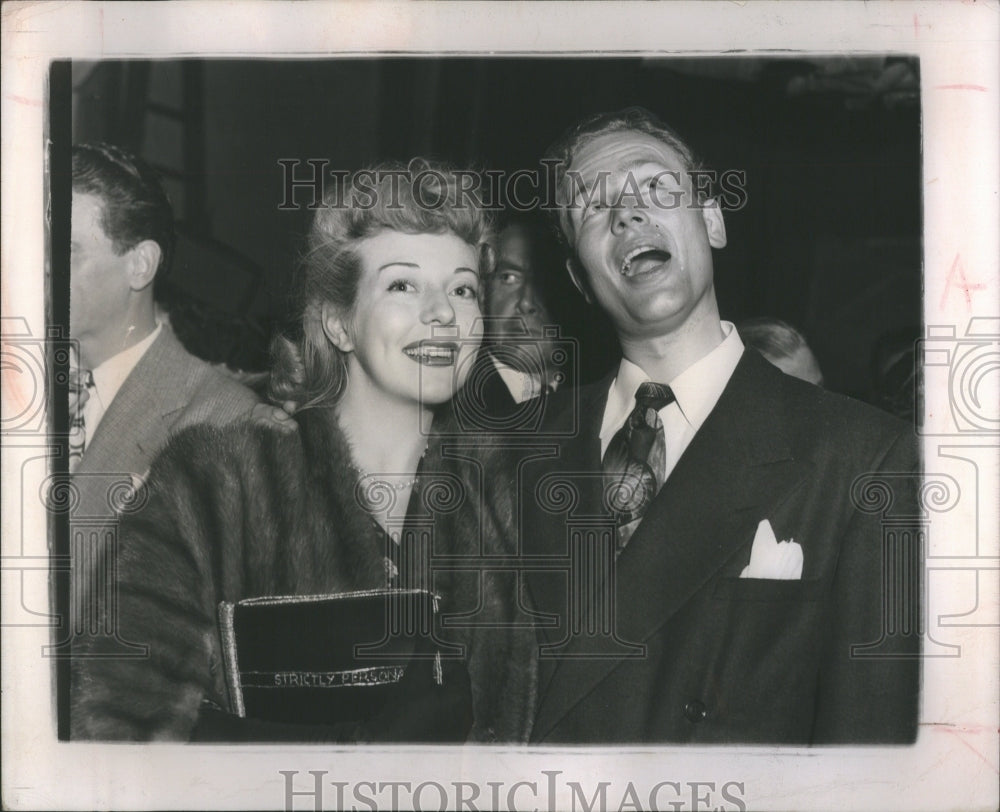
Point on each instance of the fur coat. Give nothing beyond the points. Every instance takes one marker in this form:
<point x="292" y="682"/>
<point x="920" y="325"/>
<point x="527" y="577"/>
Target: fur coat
<point x="246" y="511"/>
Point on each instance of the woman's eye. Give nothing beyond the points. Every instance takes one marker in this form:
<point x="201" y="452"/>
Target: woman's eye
<point x="465" y="292"/>
<point x="401" y="285"/>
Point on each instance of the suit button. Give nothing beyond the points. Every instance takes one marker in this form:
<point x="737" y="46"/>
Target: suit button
<point x="695" y="710"/>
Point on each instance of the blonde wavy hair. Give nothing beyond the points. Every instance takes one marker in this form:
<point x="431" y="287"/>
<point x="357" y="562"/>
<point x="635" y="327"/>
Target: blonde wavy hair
<point x="421" y="197"/>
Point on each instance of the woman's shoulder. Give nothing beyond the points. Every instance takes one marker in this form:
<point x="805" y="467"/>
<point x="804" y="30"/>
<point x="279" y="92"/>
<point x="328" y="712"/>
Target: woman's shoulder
<point x="229" y="452"/>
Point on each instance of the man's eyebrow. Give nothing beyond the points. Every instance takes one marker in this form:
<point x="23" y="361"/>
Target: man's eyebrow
<point x="581" y="186"/>
<point x="510" y="265"/>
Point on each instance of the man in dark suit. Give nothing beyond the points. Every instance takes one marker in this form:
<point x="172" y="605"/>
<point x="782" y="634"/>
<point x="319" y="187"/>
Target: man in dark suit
<point x="744" y="547"/>
<point x="135" y="384"/>
<point x="520" y="360"/>
<point x="518" y="316"/>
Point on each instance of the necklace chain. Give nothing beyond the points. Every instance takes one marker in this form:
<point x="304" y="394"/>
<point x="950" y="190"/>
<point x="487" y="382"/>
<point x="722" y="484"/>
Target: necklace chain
<point x="399" y="486"/>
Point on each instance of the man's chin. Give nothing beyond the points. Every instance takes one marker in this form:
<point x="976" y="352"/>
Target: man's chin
<point x="519" y="335"/>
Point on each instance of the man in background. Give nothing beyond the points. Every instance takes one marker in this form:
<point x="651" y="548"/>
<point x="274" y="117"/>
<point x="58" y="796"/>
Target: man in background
<point x="134" y="384"/>
<point x="519" y="319"/>
<point x="137" y="383"/>
<point x="520" y="360"/>
<point x="783" y="346"/>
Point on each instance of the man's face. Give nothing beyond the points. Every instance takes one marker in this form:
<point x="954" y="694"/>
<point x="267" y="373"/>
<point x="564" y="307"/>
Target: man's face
<point x="514" y="302"/>
<point x="99" y="279"/>
<point x="644" y="243"/>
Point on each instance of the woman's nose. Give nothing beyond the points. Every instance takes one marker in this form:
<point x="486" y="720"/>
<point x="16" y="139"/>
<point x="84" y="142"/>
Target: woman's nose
<point x="437" y="308"/>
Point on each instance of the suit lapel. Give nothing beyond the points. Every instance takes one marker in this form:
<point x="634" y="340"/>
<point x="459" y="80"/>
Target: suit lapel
<point x="734" y="472"/>
<point x="496" y="395"/>
<point x="576" y="414"/>
<point x="138" y="420"/>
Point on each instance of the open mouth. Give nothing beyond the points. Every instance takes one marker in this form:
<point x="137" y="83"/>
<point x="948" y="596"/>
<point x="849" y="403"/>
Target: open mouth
<point x="432" y="354"/>
<point x="644" y="259"/>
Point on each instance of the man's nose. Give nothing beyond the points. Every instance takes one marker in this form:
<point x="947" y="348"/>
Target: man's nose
<point x="437" y="308"/>
<point x="629" y="215"/>
<point x="527" y="301"/>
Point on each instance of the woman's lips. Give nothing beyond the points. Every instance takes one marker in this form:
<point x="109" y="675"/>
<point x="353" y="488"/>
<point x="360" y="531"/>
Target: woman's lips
<point x="432" y="353"/>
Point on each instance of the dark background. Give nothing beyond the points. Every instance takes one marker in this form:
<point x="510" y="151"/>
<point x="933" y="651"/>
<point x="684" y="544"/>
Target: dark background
<point x="829" y="240"/>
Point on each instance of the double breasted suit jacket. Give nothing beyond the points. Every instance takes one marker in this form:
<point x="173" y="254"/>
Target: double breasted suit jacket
<point x="667" y="643"/>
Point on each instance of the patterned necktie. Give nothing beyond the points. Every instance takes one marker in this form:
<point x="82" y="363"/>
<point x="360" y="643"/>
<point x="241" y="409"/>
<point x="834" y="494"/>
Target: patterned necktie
<point x="636" y="457"/>
<point x="77" y="426"/>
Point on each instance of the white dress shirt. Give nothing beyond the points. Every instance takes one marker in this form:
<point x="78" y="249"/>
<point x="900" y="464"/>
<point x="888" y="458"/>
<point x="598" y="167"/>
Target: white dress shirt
<point x="696" y="391"/>
<point x="522" y="386"/>
<point x="108" y="379"/>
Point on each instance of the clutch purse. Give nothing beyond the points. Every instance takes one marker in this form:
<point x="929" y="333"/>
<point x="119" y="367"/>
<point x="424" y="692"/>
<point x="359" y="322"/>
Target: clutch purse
<point x="324" y="659"/>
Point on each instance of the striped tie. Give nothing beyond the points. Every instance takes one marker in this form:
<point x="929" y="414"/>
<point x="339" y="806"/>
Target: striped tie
<point x="77" y="426"/>
<point x="635" y="459"/>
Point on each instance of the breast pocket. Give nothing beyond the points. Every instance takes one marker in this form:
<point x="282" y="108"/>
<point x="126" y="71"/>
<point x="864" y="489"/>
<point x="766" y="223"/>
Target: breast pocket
<point x="768" y="589"/>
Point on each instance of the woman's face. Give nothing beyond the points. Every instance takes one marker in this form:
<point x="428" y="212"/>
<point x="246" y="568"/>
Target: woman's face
<point x="410" y="333"/>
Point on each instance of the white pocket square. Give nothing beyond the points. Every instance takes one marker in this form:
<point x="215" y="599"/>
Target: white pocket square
<point x="773" y="559"/>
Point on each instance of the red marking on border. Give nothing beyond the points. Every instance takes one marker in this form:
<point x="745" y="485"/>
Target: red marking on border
<point x="16" y="395"/>
<point x="957" y="277"/>
<point x="25" y="100"/>
<point x="962" y="728"/>
<point x="980" y="88"/>
<point x="957" y="735"/>
<point x="916" y="26"/>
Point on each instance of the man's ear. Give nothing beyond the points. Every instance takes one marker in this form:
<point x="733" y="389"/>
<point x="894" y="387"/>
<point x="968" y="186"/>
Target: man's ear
<point x="143" y="260"/>
<point x="715" y="225"/>
<point x="579" y="280"/>
<point x="335" y="327"/>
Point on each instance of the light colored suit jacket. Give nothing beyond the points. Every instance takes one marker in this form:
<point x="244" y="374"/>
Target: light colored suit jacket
<point x="168" y="390"/>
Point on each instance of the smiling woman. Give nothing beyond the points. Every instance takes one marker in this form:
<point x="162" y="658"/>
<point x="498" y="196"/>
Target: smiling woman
<point x="389" y="302"/>
<point x="350" y="501"/>
<point x="413" y="320"/>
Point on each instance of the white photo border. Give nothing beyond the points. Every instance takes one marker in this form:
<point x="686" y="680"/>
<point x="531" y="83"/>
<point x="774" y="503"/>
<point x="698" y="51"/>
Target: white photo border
<point x="954" y="762"/>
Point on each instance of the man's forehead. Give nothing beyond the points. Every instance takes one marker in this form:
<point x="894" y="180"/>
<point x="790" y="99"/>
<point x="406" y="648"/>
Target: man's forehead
<point x="84" y="200"/>
<point x="619" y="152"/>
<point x="87" y="203"/>
<point x="515" y="245"/>
<point x="88" y="209"/>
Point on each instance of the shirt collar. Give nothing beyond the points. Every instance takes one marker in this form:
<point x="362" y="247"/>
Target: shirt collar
<point x="110" y="375"/>
<point x="522" y="386"/>
<point x="697" y="389"/>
